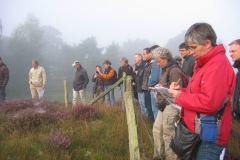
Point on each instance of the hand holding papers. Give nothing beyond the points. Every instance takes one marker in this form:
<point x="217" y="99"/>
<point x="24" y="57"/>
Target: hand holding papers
<point x="168" y="96"/>
<point x="41" y="93"/>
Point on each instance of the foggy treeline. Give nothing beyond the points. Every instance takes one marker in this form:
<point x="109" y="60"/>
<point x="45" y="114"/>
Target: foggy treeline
<point x="30" y="40"/>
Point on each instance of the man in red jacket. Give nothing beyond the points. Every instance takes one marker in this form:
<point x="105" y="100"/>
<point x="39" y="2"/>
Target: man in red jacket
<point x="210" y="88"/>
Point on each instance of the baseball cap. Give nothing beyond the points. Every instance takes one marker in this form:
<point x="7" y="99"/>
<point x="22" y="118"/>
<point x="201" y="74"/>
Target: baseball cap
<point x="75" y="63"/>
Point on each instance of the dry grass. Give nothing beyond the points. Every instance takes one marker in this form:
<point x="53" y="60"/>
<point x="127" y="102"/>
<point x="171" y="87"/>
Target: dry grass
<point x="50" y="131"/>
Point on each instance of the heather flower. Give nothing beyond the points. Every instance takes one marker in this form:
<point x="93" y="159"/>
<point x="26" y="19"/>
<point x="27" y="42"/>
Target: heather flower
<point x="58" y="140"/>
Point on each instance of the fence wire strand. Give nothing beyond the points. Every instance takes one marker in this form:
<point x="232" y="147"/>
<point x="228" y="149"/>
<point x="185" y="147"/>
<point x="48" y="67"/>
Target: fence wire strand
<point x="139" y="114"/>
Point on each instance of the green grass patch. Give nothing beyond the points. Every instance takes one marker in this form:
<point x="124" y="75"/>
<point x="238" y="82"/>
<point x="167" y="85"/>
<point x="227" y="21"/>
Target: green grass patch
<point x="50" y="131"/>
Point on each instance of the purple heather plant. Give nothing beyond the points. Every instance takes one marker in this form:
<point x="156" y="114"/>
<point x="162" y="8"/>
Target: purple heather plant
<point x="58" y="140"/>
<point x="85" y="112"/>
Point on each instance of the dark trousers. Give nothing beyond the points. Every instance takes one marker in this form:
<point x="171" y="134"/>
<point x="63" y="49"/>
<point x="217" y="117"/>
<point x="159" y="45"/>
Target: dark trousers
<point x="3" y="93"/>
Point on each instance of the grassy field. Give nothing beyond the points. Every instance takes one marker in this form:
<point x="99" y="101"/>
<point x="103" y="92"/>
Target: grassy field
<point x="48" y="130"/>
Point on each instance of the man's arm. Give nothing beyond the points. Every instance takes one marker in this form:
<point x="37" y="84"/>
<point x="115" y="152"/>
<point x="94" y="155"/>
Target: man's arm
<point x="30" y="76"/>
<point x="44" y="77"/>
<point x="6" y="76"/>
<point x="86" y="79"/>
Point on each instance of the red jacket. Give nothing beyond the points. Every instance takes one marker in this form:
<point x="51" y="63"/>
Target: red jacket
<point x="207" y="90"/>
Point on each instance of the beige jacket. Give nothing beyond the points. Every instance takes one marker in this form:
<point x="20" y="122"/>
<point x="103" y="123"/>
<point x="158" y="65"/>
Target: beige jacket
<point x="37" y="76"/>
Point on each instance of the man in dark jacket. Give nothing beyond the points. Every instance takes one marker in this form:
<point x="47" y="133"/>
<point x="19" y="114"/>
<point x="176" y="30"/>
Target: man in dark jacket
<point x="137" y="79"/>
<point x="4" y="77"/>
<point x="235" y="54"/>
<point x="125" y="67"/>
<point x="80" y="83"/>
<point x="189" y="60"/>
<point x="145" y="78"/>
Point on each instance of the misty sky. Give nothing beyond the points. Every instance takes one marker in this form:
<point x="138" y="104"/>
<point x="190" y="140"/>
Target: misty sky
<point x="119" y="20"/>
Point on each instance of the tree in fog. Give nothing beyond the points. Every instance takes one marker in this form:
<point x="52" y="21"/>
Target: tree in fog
<point x="113" y="55"/>
<point x="130" y="47"/>
<point x="51" y="51"/>
<point x="173" y="43"/>
<point x="89" y="54"/>
<point x="24" y="45"/>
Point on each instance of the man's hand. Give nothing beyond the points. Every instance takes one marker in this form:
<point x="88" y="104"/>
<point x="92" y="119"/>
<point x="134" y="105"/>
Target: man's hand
<point x="119" y="88"/>
<point x="43" y="87"/>
<point x="159" y="85"/>
<point x="96" y="75"/>
<point x="173" y="92"/>
<point x="175" y="86"/>
<point x="152" y="88"/>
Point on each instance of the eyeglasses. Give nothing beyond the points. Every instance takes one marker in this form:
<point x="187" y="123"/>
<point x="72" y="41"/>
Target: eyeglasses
<point x="191" y="48"/>
<point x="182" y="50"/>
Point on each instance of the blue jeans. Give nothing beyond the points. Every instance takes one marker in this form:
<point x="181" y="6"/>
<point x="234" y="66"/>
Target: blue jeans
<point x="154" y="107"/>
<point x="148" y="105"/>
<point x="141" y="100"/>
<point x="209" y="151"/>
<point x="110" y="99"/>
<point x="121" y="90"/>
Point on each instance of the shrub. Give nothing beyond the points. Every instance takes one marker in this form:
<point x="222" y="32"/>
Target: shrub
<point x="85" y="112"/>
<point x="57" y="140"/>
<point x="15" y="106"/>
<point x="28" y="121"/>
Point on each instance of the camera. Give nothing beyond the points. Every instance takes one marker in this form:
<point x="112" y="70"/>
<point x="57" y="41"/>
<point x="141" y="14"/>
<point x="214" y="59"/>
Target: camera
<point x="97" y="72"/>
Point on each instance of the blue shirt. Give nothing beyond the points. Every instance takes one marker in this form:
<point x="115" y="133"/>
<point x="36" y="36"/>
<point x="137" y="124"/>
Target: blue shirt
<point x="155" y="74"/>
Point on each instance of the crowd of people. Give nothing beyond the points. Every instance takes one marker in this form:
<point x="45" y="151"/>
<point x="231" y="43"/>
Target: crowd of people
<point x="209" y="90"/>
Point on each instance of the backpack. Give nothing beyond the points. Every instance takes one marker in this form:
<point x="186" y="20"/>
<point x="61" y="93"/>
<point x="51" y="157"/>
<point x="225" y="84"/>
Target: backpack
<point x="185" y="78"/>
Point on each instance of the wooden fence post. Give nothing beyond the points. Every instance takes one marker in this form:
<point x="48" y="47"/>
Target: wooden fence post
<point x="65" y="92"/>
<point x="131" y="119"/>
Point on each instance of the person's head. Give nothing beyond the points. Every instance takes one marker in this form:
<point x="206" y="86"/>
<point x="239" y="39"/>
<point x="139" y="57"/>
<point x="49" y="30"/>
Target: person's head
<point x="35" y="63"/>
<point x="76" y="64"/>
<point x="146" y="54"/>
<point x="235" y="50"/>
<point x="106" y="64"/>
<point x="98" y="68"/>
<point x="162" y="56"/>
<point x="124" y="61"/>
<point x="153" y="47"/>
<point x="137" y="57"/>
<point x="178" y="59"/>
<point x="200" y="38"/>
<point x="184" y="50"/>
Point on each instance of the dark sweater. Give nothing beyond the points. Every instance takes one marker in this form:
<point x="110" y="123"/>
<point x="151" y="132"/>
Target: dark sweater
<point x="127" y="69"/>
<point x="236" y="95"/>
<point x="146" y="73"/>
<point x="138" y="75"/>
<point x="4" y="74"/>
<point x="81" y="79"/>
<point x="188" y="65"/>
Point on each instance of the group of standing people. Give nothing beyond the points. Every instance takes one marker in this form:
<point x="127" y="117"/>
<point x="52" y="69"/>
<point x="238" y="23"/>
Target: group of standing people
<point x="156" y="66"/>
<point x="103" y="80"/>
<point x="208" y="93"/>
<point x="209" y="90"/>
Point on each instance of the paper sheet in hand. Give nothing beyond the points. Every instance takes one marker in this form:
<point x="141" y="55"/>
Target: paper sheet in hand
<point x="42" y="92"/>
<point x="164" y="92"/>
